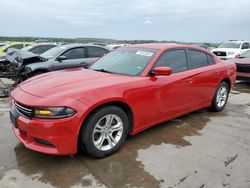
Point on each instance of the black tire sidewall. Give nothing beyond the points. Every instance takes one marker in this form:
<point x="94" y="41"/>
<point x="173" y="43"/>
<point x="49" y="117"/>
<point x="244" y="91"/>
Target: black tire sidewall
<point x="215" y="106"/>
<point x="89" y="125"/>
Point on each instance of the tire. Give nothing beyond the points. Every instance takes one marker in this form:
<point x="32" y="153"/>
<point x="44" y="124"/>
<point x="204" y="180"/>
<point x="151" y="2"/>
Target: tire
<point x="104" y="132"/>
<point x="220" y="97"/>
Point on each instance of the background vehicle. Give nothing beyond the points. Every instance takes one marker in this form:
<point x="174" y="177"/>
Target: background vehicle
<point x="12" y="67"/>
<point x="125" y="92"/>
<point x="2" y="44"/>
<point x="231" y="49"/>
<point x="15" y="45"/>
<point x="66" y="56"/>
<point x="34" y="48"/>
<point x="115" y="46"/>
<point x="243" y="66"/>
<point x="38" y="48"/>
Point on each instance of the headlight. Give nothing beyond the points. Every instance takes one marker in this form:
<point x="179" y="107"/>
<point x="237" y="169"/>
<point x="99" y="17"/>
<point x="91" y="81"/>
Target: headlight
<point x="231" y="53"/>
<point x="53" y="112"/>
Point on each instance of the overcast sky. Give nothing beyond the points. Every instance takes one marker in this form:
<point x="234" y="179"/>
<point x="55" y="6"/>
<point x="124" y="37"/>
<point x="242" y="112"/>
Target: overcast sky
<point x="182" y="20"/>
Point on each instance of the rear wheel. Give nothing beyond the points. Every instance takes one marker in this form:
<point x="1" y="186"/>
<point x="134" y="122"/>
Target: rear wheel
<point x="105" y="131"/>
<point x="221" y="97"/>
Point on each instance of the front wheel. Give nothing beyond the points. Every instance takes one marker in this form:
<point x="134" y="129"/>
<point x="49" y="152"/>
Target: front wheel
<point x="105" y="131"/>
<point x="221" y="97"/>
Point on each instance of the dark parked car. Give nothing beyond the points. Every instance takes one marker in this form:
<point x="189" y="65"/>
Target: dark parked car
<point x="66" y="56"/>
<point x="243" y="66"/>
<point x="38" y="48"/>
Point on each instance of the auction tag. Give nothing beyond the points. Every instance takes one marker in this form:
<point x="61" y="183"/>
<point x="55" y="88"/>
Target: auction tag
<point x="144" y="53"/>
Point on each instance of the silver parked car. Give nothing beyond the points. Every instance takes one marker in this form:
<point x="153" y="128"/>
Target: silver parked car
<point x="64" y="57"/>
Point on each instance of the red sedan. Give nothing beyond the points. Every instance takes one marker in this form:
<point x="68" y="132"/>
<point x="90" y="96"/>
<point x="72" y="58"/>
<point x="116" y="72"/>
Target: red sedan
<point x="128" y="90"/>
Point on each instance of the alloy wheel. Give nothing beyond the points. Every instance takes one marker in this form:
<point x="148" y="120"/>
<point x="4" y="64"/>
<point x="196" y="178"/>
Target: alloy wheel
<point x="107" y="132"/>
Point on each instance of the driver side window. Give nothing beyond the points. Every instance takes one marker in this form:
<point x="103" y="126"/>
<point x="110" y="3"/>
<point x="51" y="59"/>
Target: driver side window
<point x="175" y="59"/>
<point x="75" y="53"/>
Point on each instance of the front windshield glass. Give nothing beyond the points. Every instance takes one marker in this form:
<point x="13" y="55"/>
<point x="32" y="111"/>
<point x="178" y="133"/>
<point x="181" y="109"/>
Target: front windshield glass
<point x="53" y="52"/>
<point x="229" y="45"/>
<point x="27" y="48"/>
<point x="125" y="60"/>
<point x="245" y="54"/>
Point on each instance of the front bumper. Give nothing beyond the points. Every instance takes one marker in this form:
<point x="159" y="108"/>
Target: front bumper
<point x="50" y="136"/>
<point x="245" y="76"/>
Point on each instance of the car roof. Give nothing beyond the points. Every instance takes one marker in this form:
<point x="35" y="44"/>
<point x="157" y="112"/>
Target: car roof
<point x="43" y="44"/>
<point x="162" y="46"/>
<point x="81" y="45"/>
<point x="236" y="41"/>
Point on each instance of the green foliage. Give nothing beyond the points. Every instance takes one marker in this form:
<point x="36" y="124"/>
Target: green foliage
<point x="93" y="40"/>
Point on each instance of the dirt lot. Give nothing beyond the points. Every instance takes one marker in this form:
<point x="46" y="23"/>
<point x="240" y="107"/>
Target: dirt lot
<point x="199" y="150"/>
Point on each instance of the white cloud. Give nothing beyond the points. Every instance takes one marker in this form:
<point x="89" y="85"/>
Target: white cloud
<point x="175" y="20"/>
<point x="149" y="22"/>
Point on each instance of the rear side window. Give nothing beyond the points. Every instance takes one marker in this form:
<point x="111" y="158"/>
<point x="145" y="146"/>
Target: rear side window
<point x="197" y="59"/>
<point x="175" y="59"/>
<point x="75" y="53"/>
<point x="96" y="51"/>
<point x="210" y="60"/>
<point x="41" y="49"/>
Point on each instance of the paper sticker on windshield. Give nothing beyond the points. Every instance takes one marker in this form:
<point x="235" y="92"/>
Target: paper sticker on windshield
<point x="149" y="54"/>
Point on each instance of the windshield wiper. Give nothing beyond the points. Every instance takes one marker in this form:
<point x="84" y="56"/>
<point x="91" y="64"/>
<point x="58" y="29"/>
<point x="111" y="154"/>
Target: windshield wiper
<point x="102" y="70"/>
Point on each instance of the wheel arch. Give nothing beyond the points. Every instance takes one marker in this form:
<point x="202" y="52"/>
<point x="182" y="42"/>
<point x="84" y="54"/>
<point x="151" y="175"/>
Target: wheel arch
<point x="119" y="103"/>
<point x="228" y="81"/>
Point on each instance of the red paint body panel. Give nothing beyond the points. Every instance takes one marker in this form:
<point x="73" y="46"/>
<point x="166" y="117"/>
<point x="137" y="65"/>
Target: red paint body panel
<point x="151" y="99"/>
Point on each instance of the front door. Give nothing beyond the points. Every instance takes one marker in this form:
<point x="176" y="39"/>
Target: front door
<point x="171" y="95"/>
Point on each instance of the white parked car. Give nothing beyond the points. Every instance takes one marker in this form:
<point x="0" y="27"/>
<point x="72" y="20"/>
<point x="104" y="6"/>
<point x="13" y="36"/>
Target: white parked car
<point x="231" y="49"/>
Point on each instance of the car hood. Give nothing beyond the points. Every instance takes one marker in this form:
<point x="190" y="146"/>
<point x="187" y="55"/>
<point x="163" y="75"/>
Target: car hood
<point x="242" y="61"/>
<point x="70" y="83"/>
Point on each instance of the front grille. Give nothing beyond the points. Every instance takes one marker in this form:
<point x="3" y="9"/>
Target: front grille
<point x="219" y="53"/>
<point x="24" y="110"/>
<point x="43" y="142"/>
<point x="243" y="68"/>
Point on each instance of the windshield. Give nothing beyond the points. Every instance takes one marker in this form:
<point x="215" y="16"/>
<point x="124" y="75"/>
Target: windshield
<point x="27" y="48"/>
<point x="53" y="52"/>
<point x="126" y="61"/>
<point x="229" y="45"/>
<point x="245" y="54"/>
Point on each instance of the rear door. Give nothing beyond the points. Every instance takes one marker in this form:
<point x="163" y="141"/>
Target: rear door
<point x="205" y="75"/>
<point x="171" y="95"/>
<point x="75" y="57"/>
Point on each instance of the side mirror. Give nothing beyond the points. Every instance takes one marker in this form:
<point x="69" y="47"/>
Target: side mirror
<point x="61" y="58"/>
<point x="162" y="71"/>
